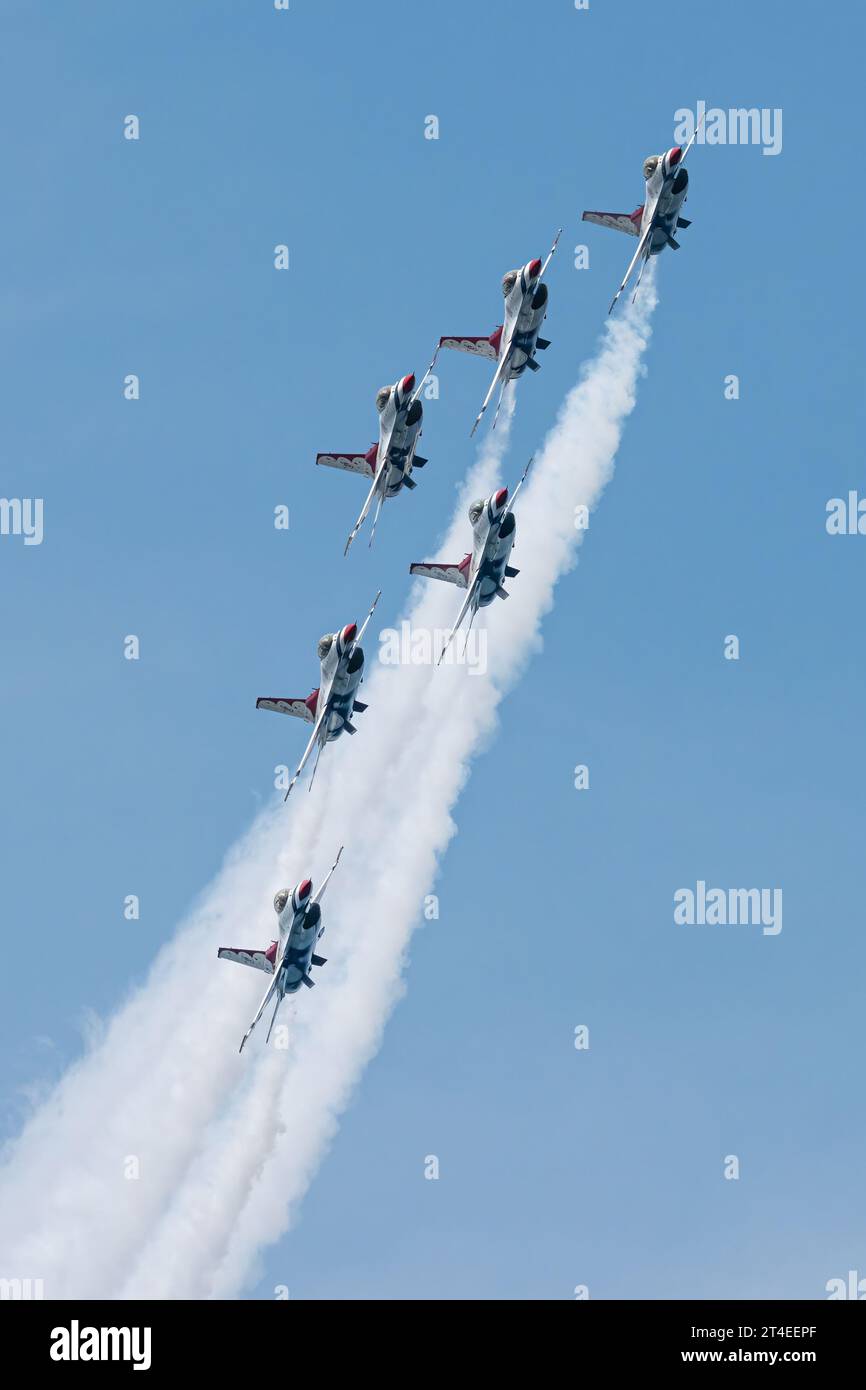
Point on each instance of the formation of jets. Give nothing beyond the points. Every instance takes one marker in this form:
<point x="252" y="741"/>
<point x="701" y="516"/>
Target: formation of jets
<point x="388" y="466"/>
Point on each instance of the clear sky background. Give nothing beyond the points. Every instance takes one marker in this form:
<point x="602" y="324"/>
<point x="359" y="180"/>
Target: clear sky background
<point x="557" y="1167"/>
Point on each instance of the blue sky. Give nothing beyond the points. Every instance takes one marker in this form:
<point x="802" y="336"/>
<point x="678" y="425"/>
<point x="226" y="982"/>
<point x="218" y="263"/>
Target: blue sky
<point x="155" y="257"/>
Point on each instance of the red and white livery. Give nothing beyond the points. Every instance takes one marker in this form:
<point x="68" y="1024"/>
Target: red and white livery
<point x="658" y="217"/>
<point x="290" y="958"/>
<point x="388" y="464"/>
<point x="329" y="708"/>
<point x="482" y="571"/>
<point x="513" y="345"/>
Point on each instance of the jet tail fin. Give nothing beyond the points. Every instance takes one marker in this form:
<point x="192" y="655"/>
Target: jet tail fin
<point x="418" y="462"/>
<point x="542" y="343"/>
<point x="533" y="365"/>
<point x="409" y="482"/>
<point x="358" y="707"/>
<point x="673" y="243"/>
<point x="319" y="960"/>
<point x="684" y="222"/>
<point x="511" y="572"/>
<point x="349" y="727"/>
<point x="307" y="981"/>
<point x="501" y="593"/>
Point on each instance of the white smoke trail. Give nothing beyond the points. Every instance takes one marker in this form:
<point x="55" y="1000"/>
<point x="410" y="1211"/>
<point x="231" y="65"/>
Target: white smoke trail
<point x="227" y="1146"/>
<point x="334" y="1045"/>
<point x="73" y="1204"/>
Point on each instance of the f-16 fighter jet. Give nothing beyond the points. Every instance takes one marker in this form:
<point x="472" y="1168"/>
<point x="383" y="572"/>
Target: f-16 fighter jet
<point x="330" y="707"/>
<point x="655" y="222"/>
<point x="290" y="958"/>
<point x="389" y="464"/>
<point x="481" y="573"/>
<point x="513" y="345"/>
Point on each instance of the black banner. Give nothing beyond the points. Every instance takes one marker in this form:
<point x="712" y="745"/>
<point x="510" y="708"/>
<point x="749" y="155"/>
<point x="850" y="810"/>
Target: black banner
<point x="257" y="1337"/>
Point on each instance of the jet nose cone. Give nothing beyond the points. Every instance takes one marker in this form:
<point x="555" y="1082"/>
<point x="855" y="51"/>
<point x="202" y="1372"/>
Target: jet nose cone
<point x="408" y="383"/>
<point x="534" y="269"/>
<point x="501" y="497"/>
<point x="349" y="632"/>
<point x="305" y="889"/>
<point x="675" y="155"/>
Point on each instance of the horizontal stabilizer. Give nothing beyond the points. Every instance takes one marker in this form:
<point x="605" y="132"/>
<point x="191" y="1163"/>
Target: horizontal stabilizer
<point x="533" y="365"/>
<point x="409" y="482"/>
<point x="542" y="343"/>
<point x="683" y="222"/>
<point x="288" y="704"/>
<point x="418" y="462"/>
<point x="350" y="463"/>
<point x="501" y="593"/>
<point x="349" y="727"/>
<point x="319" y="960"/>
<point x="511" y="572"/>
<point x="628" y="222"/>
<point x="479" y="347"/>
<point x="358" y="707"/>
<point x="307" y="981"/>
<point x="451" y="574"/>
<point x="673" y="243"/>
<point x="241" y="955"/>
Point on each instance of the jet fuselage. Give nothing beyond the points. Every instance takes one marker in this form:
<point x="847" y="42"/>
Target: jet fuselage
<point x="342" y="669"/>
<point x="399" y="427"/>
<point x="525" y="308"/>
<point x="300" y="925"/>
<point x="493" y="538"/>
<point x="666" y="190"/>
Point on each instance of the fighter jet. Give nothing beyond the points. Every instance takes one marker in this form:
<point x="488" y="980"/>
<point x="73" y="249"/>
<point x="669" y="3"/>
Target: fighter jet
<point x="289" y="959"/>
<point x="389" y="463"/>
<point x="513" y="345"/>
<point x="655" y="222"/>
<point x="481" y="573"/>
<point x="330" y="707"/>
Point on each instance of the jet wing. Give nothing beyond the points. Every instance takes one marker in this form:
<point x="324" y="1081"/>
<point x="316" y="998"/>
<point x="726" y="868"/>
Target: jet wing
<point x="317" y="898"/>
<point x="479" y="347"/>
<point x="497" y="377"/>
<point x="419" y="388"/>
<point x="464" y="609"/>
<point x="452" y="574"/>
<point x="286" y="705"/>
<point x="642" y="250"/>
<point x="350" y="463"/>
<point x="365" y="624"/>
<point x="550" y="254"/>
<point x="257" y="959"/>
<point x="314" y="738"/>
<point x="513" y="498"/>
<point x="267" y="995"/>
<point x="628" y="222"/>
<point x="376" y="485"/>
